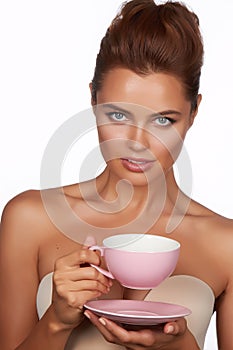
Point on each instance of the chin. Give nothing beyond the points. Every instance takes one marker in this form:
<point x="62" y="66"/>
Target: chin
<point x="137" y="178"/>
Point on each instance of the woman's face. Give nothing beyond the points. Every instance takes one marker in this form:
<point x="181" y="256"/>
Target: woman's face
<point x="142" y="122"/>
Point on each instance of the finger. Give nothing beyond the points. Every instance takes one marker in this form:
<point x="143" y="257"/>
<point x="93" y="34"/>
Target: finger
<point x="143" y="337"/>
<point x="83" y="286"/>
<point x="113" y="332"/>
<point x="78" y="299"/>
<point x="90" y="273"/>
<point x="79" y="274"/>
<point x="177" y="327"/>
<point x="88" y="256"/>
<point x="77" y="258"/>
<point x="89" y="241"/>
<point x="117" y="332"/>
<point x="100" y="326"/>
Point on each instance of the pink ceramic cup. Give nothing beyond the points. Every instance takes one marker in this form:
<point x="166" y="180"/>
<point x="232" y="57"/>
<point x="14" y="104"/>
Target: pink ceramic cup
<point x="138" y="261"/>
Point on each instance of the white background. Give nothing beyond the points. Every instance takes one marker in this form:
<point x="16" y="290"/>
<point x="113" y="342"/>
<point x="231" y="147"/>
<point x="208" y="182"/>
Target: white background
<point x="48" y="51"/>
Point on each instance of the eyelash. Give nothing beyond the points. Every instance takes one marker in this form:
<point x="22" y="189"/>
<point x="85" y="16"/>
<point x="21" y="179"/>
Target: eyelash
<point x="112" y="116"/>
<point x="170" y="120"/>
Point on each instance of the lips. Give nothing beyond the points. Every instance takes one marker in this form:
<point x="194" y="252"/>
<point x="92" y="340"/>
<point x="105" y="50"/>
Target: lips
<point x="137" y="165"/>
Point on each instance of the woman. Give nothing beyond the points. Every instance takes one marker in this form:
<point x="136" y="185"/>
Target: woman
<point x="145" y="98"/>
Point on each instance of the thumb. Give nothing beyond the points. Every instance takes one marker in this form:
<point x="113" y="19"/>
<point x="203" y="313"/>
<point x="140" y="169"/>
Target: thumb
<point x="89" y="241"/>
<point x="177" y="327"/>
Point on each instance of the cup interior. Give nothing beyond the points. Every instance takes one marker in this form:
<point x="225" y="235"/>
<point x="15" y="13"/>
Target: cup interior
<point x="135" y="242"/>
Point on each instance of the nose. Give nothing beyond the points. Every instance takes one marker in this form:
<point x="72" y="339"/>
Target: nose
<point x="138" y="139"/>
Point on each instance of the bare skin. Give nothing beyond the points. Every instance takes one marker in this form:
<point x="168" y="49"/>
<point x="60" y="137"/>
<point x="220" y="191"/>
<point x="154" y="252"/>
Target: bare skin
<point x="32" y="246"/>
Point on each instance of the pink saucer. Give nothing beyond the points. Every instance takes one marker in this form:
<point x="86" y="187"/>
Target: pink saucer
<point x="137" y="312"/>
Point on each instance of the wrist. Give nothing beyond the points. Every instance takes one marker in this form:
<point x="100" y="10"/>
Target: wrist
<point x="55" y="325"/>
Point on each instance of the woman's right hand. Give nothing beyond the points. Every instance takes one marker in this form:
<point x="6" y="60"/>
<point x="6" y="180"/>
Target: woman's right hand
<point x="74" y="283"/>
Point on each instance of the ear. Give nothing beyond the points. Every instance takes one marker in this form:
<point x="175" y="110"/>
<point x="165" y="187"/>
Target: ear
<point x="194" y="113"/>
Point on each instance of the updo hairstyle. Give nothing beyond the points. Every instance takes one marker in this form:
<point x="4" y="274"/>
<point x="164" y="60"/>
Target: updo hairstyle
<point x="149" y="38"/>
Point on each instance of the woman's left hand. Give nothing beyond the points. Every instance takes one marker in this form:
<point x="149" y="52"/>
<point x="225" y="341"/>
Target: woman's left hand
<point x="154" y="338"/>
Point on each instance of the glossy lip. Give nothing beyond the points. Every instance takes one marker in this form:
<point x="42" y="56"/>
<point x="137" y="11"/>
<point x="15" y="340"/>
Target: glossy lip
<point x="137" y="165"/>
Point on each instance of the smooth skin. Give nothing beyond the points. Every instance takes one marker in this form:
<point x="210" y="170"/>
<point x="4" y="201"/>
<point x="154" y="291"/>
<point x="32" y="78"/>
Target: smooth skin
<point x="32" y="246"/>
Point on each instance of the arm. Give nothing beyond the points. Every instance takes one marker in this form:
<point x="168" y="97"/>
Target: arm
<point x="23" y="227"/>
<point x="19" y="282"/>
<point x="224" y="303"/>
<point x="47" y="334"/>
<point x="18" y="276"/>
<point x="224" y="312"/>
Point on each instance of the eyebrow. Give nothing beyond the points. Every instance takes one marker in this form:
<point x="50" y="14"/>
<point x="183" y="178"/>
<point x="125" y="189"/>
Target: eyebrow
<point x="169" y="111"/>
<point x="120" y="109"/>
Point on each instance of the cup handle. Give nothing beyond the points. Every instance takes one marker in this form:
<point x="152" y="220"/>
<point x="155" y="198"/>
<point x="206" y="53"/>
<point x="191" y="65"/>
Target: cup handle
<point x="100" y="269"/>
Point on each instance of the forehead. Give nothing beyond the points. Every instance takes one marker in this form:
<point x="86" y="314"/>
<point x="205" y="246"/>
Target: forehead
<point x="156" y="91"/>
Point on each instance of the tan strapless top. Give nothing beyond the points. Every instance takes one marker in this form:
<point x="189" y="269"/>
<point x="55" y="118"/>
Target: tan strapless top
<point x="188" y="291"/>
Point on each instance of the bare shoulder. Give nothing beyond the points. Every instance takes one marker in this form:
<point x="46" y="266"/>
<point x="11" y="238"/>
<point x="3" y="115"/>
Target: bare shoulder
<point x="208" y="218"/>
<point x="22" y="227"/>
<point x="220" y="233"/>
<point x="26" y="199"/>
<point x="24" y="215"/>
<point x="213" y="223"/>
<point x="215" y="230"/>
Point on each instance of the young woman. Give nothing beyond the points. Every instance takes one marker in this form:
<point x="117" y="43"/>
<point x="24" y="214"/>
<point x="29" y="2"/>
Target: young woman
<point x="145" y="96"/>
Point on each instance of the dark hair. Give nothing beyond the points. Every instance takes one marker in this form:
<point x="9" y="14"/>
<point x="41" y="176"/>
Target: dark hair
<point x="147" y="38"/>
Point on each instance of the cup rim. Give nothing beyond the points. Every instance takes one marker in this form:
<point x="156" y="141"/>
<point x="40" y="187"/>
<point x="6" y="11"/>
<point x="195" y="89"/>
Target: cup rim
<point x="158" y="237"/>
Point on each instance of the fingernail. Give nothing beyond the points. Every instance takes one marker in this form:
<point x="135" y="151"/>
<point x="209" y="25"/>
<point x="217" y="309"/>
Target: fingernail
<point x="170" y="329"/>
<point x="87" y="315"/>
<point x="102" y="321"/>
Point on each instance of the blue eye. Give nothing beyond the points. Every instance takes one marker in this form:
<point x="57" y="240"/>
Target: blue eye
<point x="163" y="121"/>
<point x="117" y="116"/>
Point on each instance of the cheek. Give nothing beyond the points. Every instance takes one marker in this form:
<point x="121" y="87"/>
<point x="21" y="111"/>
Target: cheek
<point x="113" y="141"/>
<point x="107" y="132"/>
<point x="166" y="148"/>
<point x="164" y="145"/>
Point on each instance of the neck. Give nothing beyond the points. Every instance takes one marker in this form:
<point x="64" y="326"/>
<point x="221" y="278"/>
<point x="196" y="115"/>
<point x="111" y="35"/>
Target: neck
<point x="160" y="193"/>
<point x="128" y="208"/>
